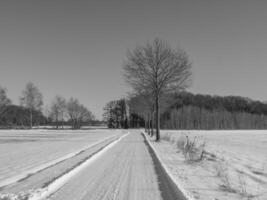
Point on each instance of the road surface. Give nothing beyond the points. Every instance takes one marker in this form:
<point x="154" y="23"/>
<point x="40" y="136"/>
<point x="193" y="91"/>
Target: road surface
<point x="128" y="171"/>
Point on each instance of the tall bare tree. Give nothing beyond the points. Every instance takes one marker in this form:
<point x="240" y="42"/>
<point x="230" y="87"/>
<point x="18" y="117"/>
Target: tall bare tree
<point x="157" y="69"/>
<point x="57" y="110"/>
<point x="32" y="99"/>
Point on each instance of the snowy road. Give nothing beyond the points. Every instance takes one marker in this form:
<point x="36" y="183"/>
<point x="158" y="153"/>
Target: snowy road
<point x="127" y="171"/>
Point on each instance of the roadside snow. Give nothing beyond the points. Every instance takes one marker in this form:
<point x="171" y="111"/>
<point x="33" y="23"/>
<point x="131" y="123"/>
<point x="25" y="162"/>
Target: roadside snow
<point x="186" y="194"/>
<point x="239" y="157"/>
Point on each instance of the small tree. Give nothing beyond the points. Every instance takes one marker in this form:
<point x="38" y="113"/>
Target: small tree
<point x="32" y="99"/>
<point x="85" y="116"/>
<point x="116" y="114"/>
<point x="4" y="100"/>
<point x="156" y="69"/>
<point x="78" y="113"/>
<point x="57" y="110"/>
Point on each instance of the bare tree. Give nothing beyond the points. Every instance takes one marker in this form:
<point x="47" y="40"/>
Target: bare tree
<point x="57" y="110"/>
<point x="156" y="69"/>
<point x="32" y="99"/>
<point x="78" y="113"/>
<point x="4" y="100"/>
<point x="72" y="109"/>
<point x="116" y="114"/>
<point x="85" y="116"/>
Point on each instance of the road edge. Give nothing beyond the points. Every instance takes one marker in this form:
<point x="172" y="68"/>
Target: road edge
<point x="185" y="193"/>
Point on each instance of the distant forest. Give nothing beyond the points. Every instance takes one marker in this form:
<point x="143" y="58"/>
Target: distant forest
<point x="15" y="116"/>
<point x="189" y="111"/>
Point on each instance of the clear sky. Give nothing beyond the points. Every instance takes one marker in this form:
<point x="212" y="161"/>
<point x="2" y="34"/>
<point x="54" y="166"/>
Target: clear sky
<point x="77" y="47"/>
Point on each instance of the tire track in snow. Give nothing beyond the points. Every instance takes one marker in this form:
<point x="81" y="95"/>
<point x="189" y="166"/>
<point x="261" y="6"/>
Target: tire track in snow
<point x="126" y="168"/>
<point x="58" y="183"/>
<point x="31" y="172"/>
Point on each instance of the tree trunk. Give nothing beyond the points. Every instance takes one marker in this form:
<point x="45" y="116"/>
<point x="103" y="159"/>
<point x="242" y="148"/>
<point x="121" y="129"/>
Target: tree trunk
<point x="62" y="121"/>
<point x="152" y="124"/>
<point x="145" y="125"/>
<point x="157" y="118"/>
<point x="31" y="118"/>
<point x="148" y="124"/>
<point x="56" y="123"/>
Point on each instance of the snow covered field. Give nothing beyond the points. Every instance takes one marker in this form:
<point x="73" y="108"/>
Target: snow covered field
<point x="24" y="152"/>
<point x="234" y="164"/>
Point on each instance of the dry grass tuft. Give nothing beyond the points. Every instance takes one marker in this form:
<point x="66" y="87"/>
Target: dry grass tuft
<point x="241" y="188"/>
<point x="222" y="172"/>
<point x="192" y="148"/>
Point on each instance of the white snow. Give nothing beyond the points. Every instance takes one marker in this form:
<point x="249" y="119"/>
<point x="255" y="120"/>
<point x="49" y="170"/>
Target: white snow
<point x="186" y="194"/>
<point x="34" y="170"/>
<point x="242" y="155"/>
<point x="58" y="183"/>
<point x="26" y="152"/>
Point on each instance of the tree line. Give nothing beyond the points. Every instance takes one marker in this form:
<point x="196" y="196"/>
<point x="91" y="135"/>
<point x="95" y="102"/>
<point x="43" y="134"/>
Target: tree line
<point x="29" y="113"/>
<point x="185" y="110"/>
<point x="190" y="111"/>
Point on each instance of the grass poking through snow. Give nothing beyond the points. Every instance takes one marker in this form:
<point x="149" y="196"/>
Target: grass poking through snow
<point x="193" y="148"/>
<point x="230" y="176"/>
